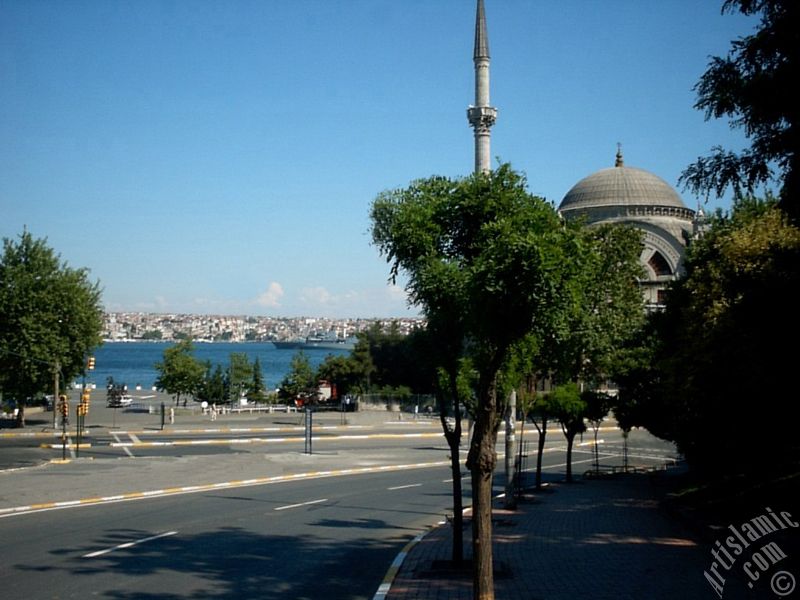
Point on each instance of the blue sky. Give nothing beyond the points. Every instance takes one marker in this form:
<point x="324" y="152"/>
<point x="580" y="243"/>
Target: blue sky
<point x="221" y="156"/>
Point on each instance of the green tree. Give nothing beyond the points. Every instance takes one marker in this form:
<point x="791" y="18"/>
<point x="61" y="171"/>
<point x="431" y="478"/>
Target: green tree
<point x="637" y="375"/>
<point x="50" y="319"/>
<point x="240" y="375"/>
<point x="540" y="411"/>
<point x="755" y="86"/>
<point x="485" y="254"/>
<point x="214" y="387"/>
<point x="604" y="310"/>
<point x="343" y="371"/>
<point x="180" y="373"/>
<point x="718" y="350"/>
<point x="569" y="408"/>
<point x="382" y="359"/>
<point x="533" y="402"/>
<point x="597" y="406"/>
<point x="605" y="306"/>
<point x="300" y="382"/>
<point x="257" y="389"/>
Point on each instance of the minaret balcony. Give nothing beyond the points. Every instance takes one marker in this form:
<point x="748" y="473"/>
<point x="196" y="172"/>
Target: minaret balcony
<point x="482" y="117"/>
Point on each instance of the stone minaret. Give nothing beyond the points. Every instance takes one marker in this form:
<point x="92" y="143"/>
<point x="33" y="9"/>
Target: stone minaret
<point x="482" y="116"/>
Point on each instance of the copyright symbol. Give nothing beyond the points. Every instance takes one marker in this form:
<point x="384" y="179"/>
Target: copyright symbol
<point x="782" y="583"/>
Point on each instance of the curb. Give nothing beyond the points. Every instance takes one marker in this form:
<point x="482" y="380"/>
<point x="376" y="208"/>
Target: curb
<point x="394" y="568"/>
<point x="388" y="580"/>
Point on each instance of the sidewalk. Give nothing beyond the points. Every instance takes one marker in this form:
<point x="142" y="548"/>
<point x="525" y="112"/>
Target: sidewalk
<point x="602" y="538"/>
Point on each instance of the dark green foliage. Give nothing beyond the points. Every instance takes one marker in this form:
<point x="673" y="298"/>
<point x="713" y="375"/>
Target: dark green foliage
<point x="49" y="313"/>
<point x="240" y="375"/>
<point x="569" y="408"/>
<point x="724" y="344"/>
<point x="485" y="261"/>
<point x="257" y="390"/>
<point x="383" y="359"/>
<point x="301" y="381"/>
<point x="605" y="306"/>
<point x="755" y="86"/>
<point x="180" y="373"/>
<point x="215" y="387"/>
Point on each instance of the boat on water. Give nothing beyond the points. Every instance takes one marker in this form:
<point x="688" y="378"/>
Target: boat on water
<point x="321" y="342"/>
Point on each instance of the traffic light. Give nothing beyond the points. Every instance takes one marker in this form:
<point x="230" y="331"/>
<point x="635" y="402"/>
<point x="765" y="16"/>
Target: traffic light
<point x="83" y="408"/>
<point x="90" y="363"/>
<point x="63" y="405"/>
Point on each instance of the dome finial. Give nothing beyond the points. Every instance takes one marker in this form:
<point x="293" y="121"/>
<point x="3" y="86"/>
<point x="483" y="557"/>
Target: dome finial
<point x="619" y="162"/>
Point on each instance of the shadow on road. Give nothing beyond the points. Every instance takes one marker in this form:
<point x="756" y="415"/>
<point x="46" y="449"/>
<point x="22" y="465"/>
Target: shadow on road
<point x="229" y="563"/>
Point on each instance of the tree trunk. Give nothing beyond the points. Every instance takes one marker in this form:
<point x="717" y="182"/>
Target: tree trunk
<point x="570" y="440"/>
<point x="481" y="463"/>
<point x="453" y="438"/>
<point x="596" y="450"/>
<point x="20" y="422"/>
<point x="625" y="433"/>
<point x="457" y="554"/>
<point x="542" y="439"/>
<point x="510" y="500"/>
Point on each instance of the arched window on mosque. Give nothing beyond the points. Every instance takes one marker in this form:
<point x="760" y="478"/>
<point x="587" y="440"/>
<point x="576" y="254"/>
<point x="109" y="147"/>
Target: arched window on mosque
<point x="659" y="264"/>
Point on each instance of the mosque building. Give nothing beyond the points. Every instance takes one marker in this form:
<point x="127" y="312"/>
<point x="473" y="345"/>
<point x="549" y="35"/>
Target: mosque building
<point x="636" y="197"/>
<point x="619" y="194"/>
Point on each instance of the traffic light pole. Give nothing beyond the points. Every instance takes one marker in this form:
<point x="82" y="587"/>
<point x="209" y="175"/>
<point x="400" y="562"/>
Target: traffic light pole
<point x="63" y="409"/>
<point x="78" y="430"/>
<point x="56" y="393"/>
<point x="83" y="406"/>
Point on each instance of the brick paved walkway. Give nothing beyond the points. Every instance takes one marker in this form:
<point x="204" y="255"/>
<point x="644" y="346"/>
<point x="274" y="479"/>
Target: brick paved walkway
<point x="599" y="538"/>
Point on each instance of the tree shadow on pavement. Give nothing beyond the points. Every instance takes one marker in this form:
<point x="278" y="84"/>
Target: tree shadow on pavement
<point x="228" y="563"/>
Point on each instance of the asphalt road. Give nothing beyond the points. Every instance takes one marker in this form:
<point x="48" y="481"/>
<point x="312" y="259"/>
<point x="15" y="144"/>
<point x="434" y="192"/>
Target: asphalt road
<point x="329" y="537"/>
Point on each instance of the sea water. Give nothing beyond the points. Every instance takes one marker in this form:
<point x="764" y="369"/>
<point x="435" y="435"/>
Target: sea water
<point x="133" y="363"/>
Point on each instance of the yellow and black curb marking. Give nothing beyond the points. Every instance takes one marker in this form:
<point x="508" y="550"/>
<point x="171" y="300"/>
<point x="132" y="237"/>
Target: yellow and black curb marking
<point x="194" y="489"/>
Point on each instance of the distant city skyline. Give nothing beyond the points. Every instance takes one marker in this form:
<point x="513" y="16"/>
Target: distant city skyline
<point x="221" y="158"/>
<point x="137" y="326"/>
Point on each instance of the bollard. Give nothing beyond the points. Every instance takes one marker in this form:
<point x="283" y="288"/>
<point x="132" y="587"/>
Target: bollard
<point x="308" y="430"/>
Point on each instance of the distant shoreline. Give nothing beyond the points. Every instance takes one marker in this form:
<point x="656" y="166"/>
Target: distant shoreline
<point x="156" y="341"/>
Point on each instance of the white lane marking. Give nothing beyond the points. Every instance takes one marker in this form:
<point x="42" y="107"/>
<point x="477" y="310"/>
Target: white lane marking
<point x="287" y="507"/>
<point x="127" y="450"/>
<point x="134" y="439"/>
<point x="192" y="489"/>
<point x="129" y="544"/>
<point x="402" y="487"/>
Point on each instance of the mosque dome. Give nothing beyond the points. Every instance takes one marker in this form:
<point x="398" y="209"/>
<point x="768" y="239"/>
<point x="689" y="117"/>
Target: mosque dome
<point x="636" y="197"/>
<point x="621" y="188"/>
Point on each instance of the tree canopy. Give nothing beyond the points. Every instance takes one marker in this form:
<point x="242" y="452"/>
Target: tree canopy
<point x="180" y="373"/>
<point x="300" y="381"/>
<point x="720" y="346"/>
<point x="50" y="314"/>
<point x="755" y="87"/>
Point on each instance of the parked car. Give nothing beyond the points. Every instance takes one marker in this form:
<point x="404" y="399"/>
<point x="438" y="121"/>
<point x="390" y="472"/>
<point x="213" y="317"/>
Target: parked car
<point x="119" y="401"/>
